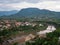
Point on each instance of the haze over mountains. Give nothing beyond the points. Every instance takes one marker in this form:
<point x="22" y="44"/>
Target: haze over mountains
<point x="34" y="12"/>
<point x="2" y="13"/>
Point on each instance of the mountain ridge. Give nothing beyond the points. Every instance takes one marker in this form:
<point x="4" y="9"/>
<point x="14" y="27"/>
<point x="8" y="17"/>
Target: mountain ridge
<point x="3" y="13"/>
<point x="35" y="12"/>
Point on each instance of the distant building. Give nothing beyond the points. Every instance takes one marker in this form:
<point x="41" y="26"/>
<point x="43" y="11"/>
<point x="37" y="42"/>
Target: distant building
<point x="40" y="24"/>
<point x="6" y="21"/>
<point x="33" y="24"/>
<point x="27" y="23"/>
<point x="8" y="25"/>
<point x="1" y="25"/>
<point x="17" y="23"/>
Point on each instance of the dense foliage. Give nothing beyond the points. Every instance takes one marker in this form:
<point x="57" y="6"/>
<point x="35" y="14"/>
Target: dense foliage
<point x="51" y="39"/>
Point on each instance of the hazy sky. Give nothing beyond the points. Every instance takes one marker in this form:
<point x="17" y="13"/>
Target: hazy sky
<point x="53" y="5"/>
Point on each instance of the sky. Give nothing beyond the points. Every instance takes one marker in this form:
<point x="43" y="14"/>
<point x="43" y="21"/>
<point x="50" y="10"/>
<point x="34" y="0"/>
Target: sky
<point x="7" y="5"/>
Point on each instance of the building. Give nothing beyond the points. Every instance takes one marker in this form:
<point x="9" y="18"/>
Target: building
<point x="18" y="23"/>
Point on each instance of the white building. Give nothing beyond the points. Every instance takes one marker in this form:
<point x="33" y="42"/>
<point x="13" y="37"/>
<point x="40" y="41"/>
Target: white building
<point x="40" y="24"/>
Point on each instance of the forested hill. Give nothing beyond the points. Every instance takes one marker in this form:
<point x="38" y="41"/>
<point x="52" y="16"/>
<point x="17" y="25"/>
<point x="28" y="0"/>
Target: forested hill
<point x="34" y="12"/>
<point x="6" y="13"/>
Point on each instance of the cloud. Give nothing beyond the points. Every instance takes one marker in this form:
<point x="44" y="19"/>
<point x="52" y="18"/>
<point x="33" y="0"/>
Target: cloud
<point x="53" y="5"/>
<point x="19" y="1"/>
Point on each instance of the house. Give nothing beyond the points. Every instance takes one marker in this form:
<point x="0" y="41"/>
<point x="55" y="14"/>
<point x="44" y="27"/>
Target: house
<point x="1" y="25"/>
<point x="27" y="23"/>
<point x="17" y="23"/>
<point x="40" y="24"/>
<point x="6" y="21"/>
<point x="8" y="25"/>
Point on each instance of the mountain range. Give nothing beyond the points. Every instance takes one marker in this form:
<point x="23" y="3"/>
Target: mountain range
<point x="2" y="13"/>
<point x="34" y="12"/>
